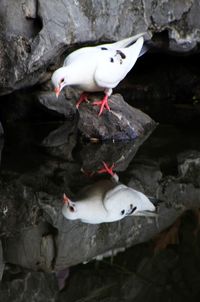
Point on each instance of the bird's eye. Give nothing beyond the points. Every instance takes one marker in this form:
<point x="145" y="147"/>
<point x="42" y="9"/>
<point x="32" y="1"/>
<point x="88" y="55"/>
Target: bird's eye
<point x="71" y="209"/>
<point x="122" y="212"/>
<point x="62" y="80"/>
<point x="131" y="206"/>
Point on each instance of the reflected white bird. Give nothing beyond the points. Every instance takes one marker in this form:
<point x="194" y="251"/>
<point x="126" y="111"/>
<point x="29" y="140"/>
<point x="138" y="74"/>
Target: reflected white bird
<point x="99" y="68"/>
<point x="107" y="201"/>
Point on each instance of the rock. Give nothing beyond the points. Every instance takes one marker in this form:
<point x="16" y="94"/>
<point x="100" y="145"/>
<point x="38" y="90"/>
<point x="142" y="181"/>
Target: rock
<point x="62" y="105"/>
<point x="2" y="264"/>
<point x="37" y="235"/>
<point x="189" y="166"/>
<point x="122" y="123"/>
<point x="1" y="130"/>
<point x="44" y="32"/>
<point x="62" y="141"/>
<point x="88" y="238"/>
<point x="35" y="105"/>
<point x="31" y="248"/>
<point x="1" y="146"/>
<point x="142" y="272"/>
<point x="120" y="154"/>
<point x="29" y="286"/>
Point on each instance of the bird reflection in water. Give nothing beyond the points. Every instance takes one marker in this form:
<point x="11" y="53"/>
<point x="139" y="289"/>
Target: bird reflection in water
<point x="107" y="201"/>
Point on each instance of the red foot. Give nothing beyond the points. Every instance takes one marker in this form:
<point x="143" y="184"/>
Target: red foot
<point x="103" y="103"/>
<point x="107" y="169"/>
<point x="83" y="98"/>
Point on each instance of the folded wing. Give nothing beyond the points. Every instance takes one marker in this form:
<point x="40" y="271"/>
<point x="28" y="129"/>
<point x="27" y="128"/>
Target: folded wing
<point x="114" y="65"/>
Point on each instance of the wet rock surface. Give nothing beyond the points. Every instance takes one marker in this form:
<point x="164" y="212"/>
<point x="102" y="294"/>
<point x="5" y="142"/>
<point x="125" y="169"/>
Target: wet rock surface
<point x="44" y="32"/>
<point x="121" y="123"/>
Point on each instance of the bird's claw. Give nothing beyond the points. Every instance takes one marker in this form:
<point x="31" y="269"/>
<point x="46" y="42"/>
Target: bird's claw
<point x="83" y="98"/>
<point x="103" y="104"/>
<point x="107" y="169"/>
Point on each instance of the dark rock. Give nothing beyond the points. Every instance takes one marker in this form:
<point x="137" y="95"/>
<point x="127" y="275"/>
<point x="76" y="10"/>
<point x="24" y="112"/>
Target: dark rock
<point x="2" y="264"/>
<point x="76" y="236"/>
<point x="44" y="32"/>
<point x="189" y="167"/>
<point x="1" y="146"/>
<point x="1" y="130"/>
<point x="29" y="286"/>
<point x="35" y="106"/>
<point x="141" y="274"/>
<point x="122" y="122"/>
<point x="120" y="154"/>
<point x="62" y="141"/>
<point x="31" y="248"/>
<point x="37" y="236"/>
<point x="63" y="105"/>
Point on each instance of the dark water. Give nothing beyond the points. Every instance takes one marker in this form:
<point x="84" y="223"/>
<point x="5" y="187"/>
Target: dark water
<point x="49" y="158"/>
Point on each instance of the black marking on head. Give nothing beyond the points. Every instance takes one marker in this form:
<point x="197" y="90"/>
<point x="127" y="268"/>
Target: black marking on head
<point x="62" y="80"/>
<point x="111" y="60"/>
<point x="104" y="48"/>
<point x="119" y="52"/>
<point x="122" y="212"/>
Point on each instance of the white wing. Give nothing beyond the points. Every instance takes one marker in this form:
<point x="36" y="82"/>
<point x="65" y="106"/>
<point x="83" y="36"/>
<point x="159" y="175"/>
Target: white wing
<point x="110" y="46"/>
<point x="114" y="65"/>
<point x="122" y="196"/>
<point x="118" y="198"/>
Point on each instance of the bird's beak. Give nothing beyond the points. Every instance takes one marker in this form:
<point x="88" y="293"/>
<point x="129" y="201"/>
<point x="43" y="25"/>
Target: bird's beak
<point x="57" y="91"/>
<point x="66" y="200"/>
<point x="69" y="203"/>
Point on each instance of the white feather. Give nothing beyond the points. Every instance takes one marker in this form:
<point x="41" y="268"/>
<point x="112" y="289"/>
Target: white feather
<point x="106" y="201"/>
<point x="92" y="69"/>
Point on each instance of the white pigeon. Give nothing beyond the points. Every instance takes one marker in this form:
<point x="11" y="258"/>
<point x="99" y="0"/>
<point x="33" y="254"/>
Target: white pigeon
<point x="99" y="68"/>
<point x="107" y="201"/>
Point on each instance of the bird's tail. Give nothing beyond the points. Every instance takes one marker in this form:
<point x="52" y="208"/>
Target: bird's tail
<point x="148" y="45"/>
<point x="124" y="43"/>
<point x="155" y="200"/>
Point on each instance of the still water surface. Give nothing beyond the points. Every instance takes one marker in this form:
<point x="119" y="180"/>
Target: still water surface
<point x="49" y="158"/>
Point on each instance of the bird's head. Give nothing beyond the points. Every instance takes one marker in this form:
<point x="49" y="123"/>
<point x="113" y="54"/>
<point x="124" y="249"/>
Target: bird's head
<point x="59" y="80"/>
<point x="69" y="208"/>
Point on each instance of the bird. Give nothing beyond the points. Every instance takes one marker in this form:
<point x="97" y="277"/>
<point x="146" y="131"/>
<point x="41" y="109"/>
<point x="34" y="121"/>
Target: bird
<point x="99" y="68"/>
<point x="107" y="201"/>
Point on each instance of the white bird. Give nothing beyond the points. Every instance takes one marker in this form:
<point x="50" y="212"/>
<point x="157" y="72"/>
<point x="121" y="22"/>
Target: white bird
<point x="107" y="201"/>
<point x="99" y="68"/>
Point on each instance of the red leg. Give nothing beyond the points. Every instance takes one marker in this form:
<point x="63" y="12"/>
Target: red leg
<point x="83" y="98"/>
<point x="103" y="103"/>
<point x="107" y="169"/>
